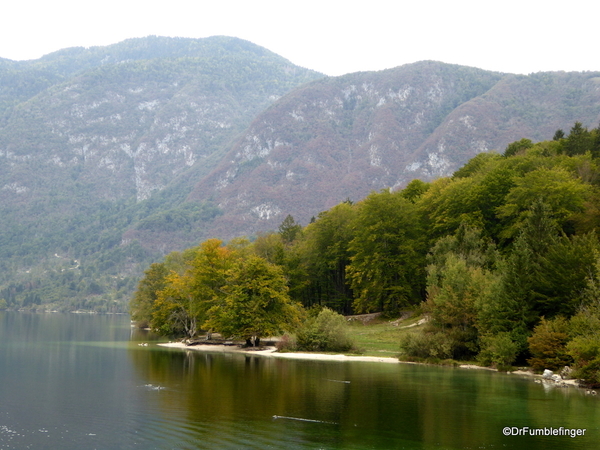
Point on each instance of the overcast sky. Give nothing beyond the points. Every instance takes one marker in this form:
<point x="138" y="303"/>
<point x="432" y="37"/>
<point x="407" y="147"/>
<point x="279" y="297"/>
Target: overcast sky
<point x="330" y="36"/>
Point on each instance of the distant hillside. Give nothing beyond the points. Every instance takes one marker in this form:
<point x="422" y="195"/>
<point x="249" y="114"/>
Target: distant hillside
<point x="339" y="138"/>
<point x="87" y="134"/>
<point x="111" y="157"/>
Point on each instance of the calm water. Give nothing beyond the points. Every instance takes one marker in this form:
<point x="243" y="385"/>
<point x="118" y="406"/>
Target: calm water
<point x="81" y="382"/>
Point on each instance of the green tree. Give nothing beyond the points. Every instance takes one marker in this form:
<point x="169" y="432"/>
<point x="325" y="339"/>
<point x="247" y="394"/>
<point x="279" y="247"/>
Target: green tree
<point x="414" y="190"/>
<point x="458" y="281"/>
<point x="289" y="229"/>
<point x="558" y="135"/>
<point x="142" y="305"/>
<point x="386" y="271"/>
<point x="595" y="146"/>
<point x="324" y="252"/>
<point x="255" y="302"/>
<point x="518" y="147"/>
<point x="498" y="350"/>
<point x="563" y="274"/>
<point x="563" y="193"/>
<point x="271" y="247"/>
<point x="579" y="140"/>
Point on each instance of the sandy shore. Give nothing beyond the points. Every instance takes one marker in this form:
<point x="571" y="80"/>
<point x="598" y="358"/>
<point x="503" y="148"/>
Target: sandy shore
<point x="272" y="353"/>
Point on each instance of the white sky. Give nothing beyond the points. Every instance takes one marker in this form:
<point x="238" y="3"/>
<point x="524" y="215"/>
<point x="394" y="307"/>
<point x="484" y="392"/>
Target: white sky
<point x="330" y="36"/>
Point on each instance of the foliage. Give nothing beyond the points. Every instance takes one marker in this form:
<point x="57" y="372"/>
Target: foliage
<point x="584" y="333"/>
<point x="458" y="284"/>
<point x="324" y="254"/>
<point x="386" y="266"/>
<point x="518" y="147"/>
<point x="427" y="345"/>
<point x="143" y="302"/>
<point x="547" y="345"/>
<point x="254" y="301"/>
<point x="328" y="331"/>
<point x="502" y="258"/>
<point x="499" y="350"/>
<point x="289" y="229"/>
<point x="287" y="343"/>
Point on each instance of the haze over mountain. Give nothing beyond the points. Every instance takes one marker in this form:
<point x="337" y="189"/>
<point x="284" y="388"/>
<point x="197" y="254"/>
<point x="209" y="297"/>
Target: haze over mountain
<point x="111" y="157"/>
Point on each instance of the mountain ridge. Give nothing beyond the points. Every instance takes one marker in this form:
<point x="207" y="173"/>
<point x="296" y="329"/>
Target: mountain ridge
<point x="108" y="162"/>
<point x="377" y="130"/>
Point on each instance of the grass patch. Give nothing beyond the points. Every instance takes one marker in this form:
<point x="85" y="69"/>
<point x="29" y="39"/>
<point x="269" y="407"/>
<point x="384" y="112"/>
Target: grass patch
<point x="381" y="337"/>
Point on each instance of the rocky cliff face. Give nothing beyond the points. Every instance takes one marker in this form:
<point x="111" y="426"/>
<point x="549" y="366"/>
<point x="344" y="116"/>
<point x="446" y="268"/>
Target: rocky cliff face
<point x="343" y="137"/>
<point x="131" y="126"/>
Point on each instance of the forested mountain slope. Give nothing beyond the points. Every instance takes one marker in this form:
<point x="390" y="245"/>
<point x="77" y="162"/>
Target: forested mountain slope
<point x="111" y="157"/>
<point x="87" y="134"/>
<point x="339" y="138"/>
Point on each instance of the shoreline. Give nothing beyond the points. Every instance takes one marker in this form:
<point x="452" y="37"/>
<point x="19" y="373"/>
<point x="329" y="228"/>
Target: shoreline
<point x="271" y="352"/>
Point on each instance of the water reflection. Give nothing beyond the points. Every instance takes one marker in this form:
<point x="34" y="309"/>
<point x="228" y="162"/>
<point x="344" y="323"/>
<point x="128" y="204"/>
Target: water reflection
<point x="359" y="405"/>
<point x="78" y="381"/>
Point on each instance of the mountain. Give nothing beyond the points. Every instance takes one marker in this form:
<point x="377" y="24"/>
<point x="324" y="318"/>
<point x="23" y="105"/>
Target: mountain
<point x="111" y="157"/>
<point x="86" y="135"/>
<point x="340" y="138"/>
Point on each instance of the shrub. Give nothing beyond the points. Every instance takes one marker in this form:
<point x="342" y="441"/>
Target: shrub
<point x="589" y="373"/>
<point x="584" y="348"/>
<point x="498" y="350"/>
<point x="328" y="331"/>
<point x="287" y="343"/>
<point x="426" y="345"/>
<point x="585" y="351"/>
<point x="548" y="345"/>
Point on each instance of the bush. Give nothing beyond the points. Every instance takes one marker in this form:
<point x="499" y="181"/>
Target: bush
<point x="589" y="373"/>
<point x="498" y="350"/>
<point x="328" y="331"/>
<point x="425" y="345"/>
<point x="584" y="348"/>
<point x="548" y="345"/>
<point x="287" y="343"/>
<point x="585" y="351"/>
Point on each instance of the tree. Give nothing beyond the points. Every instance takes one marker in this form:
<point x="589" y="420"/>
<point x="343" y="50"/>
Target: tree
<point x="141" y="306"/>
<point x="324" y="251"/>
<point x="177" y="309"/>
<point x="255" y="302"/>
<point x="595" y="147"/>
<point x="386" y="271"/>
<point x="458" y="280"/>
<point x="518" y="147"/>
<point x="564" y="194"/>
<point x="414" y="190"/>
<point x="289" y="229"/>
<point x="548" y="344"/>
<point x="176" y="295"/>
<point x="579" y="140"/>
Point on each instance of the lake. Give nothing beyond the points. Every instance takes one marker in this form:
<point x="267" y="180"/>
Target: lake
<point x="73" y="381"/>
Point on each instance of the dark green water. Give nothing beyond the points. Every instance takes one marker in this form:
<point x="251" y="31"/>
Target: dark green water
<point x="82" y="382"/>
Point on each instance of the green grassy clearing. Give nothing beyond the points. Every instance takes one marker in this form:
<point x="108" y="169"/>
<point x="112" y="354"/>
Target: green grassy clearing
<point x="381" y="337"/>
